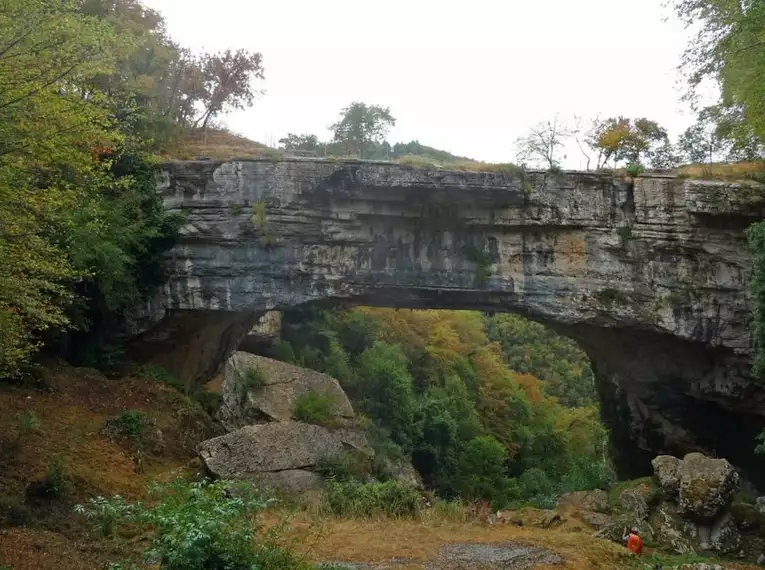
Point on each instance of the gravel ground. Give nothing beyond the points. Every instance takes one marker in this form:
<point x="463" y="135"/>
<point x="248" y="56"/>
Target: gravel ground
<point x="507" y="556"/>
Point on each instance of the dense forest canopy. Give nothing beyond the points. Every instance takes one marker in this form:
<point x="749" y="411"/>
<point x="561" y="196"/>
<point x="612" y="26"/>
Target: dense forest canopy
<point x="440" y="388"/>
<point x="88" y="91"/>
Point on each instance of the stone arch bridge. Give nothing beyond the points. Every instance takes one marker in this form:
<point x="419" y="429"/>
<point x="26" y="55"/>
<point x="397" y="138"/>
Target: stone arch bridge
<point x="647" y="275"/>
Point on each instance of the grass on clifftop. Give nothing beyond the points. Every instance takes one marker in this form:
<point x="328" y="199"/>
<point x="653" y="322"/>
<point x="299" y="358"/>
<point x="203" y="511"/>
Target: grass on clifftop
<point x="735" y="171"/>
<point x="221" y="144"/>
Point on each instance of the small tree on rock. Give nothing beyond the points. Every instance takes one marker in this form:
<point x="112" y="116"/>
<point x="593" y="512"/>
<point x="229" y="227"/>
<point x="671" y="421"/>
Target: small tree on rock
<point x="543" y="142"/>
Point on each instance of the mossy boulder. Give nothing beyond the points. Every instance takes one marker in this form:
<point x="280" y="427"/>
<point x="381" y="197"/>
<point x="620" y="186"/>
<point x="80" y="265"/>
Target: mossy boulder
<point x="707" y="486"/>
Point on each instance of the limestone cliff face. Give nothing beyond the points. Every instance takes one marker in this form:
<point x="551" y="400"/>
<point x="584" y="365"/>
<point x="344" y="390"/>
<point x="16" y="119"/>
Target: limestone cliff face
<point x="649" y="276"/>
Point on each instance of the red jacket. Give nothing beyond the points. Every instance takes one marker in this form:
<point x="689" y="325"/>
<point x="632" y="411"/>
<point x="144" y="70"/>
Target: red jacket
<point x="635" y="544"/>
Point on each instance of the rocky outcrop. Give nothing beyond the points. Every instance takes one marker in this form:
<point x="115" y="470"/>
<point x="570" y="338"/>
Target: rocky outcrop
<point x="590" y="501"/>
<point x="694" y="510"/>
<point x="649" y="275"/>
<point x="666" y="470"/>
<point x="258" y="390"/>
<point x="264" y="334"/>
<point x="707" y="486"/>
<point x="260" y="451"/>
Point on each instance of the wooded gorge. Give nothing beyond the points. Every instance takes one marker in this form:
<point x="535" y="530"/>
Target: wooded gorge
<point x="495" y="408"/>
<point x="101" y="457"/>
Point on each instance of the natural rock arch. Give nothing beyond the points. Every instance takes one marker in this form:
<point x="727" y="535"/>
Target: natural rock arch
<point x="647" y="275"/>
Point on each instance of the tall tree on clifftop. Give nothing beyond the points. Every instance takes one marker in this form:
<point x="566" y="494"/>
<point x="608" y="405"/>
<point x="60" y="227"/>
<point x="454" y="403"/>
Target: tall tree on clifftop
<point x="227" y="79"/>
<point x="360" y="127"/>
<point x="729" y="49"/>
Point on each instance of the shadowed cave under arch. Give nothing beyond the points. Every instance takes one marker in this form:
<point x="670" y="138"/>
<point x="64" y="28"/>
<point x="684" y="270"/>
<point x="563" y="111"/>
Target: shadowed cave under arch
<point x="648" y="276"/>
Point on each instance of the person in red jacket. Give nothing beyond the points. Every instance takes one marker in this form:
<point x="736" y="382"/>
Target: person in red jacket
<point x="633" y="542"/>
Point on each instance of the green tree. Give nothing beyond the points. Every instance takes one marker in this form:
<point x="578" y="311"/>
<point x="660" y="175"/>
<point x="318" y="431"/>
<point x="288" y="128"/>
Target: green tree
<point x="387" y="390"/>
<point x="482" y="470"/>
<point x="702" y="143"/>
<point x="729" y="50"/>
<point x="633" y="141"/>
<point x="48" y="129"/>
<point x="360" y="127"/>
<point x="227" y="79"/>
<point x="293" y="142"/>
<point x="531" y="348"/>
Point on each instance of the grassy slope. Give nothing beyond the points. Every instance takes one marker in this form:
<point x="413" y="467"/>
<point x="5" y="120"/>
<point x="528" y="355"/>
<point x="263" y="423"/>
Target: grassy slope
<point x="72" y="415"/>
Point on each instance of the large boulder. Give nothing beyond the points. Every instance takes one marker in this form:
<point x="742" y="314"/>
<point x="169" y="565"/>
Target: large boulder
<point x="292" y="481"/>
<point x="666" y="471"/>
<point x="402" y="471"/>
<point x="707" y="486"/>
<point x="671" y="529"/>
<point x="636" y="501"/>
<point x="255" y="450"/>
<point x="257" y="390"/>
<point x="594" y="501"/>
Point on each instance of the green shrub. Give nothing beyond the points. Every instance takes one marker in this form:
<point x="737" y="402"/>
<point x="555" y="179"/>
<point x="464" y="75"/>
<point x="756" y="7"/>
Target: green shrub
<point x="635" y="169"/>
<point x="343" y="467"/>
<point x="105" y="513"/>
<point x="314" y="408"/>
<point x="107" y="358"/>
<point x="284" y="352"/>
<point x="536" y="488"/>
<point x="251" y="381"/>
<point x="13" y="513"/>
<point x="28" y="422"/>
<point x="210" y="401"/>
<point x="482" y="260"/>
<point x="392" y="498"/>
<point x="625" y="234"/>
<point x="200" y="526"/>
<point x="130" y="424"/>
<point x="159" y="374"/>
<point x="609" y="297"/>
<point x="57" y="481"/>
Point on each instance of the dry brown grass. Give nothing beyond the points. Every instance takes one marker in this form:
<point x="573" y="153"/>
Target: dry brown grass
<point x="725" y="171"/>
<point x="217" y="144"/>
<point x="378" y="540"/>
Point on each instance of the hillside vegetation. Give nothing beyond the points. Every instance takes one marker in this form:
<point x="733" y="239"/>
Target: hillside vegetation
<point x="460" y="395"/>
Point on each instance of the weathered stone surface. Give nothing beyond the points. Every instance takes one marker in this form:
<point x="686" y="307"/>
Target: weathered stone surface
<point x="596" y="520"/>
<point x="403" y="471"/>
<point x="724" y="537"/>
<point x="266" y="332"/>
<point x="761" y="505"/>
<point x="666" y="471"/>
<point x="292" y="481"/>
<point x="594" y="501"/>
<point x="276" y="399"/>
<point x="670" y="529"/>
<point x="636" y="501"/>
<point x="278" y="446"/>
<point x="707" y="486"/>
<point x="648" y="276"/>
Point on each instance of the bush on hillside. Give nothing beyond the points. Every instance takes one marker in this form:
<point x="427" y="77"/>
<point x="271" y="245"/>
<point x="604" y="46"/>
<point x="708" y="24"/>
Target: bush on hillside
<point x="344" y="467"/>
<point x="389" y="498"/>
<point x="199" y="526"/>
<point x="314" y="408"/>
<point x="130" y="424"/>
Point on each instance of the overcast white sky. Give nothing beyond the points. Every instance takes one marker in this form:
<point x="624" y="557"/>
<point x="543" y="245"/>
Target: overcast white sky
<point x="467" y="77"/>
